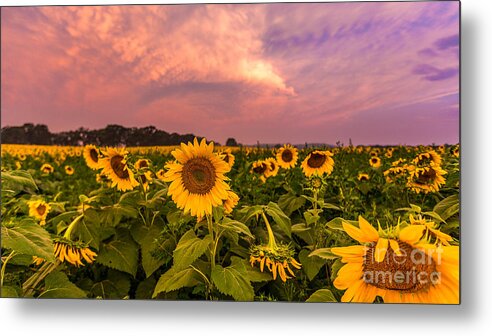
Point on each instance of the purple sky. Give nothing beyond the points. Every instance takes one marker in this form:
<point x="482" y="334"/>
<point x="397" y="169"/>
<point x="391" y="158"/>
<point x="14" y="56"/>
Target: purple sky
<point x="378" y="73"/>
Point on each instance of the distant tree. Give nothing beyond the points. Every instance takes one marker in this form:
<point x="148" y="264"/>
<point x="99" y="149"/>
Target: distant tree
<point x="231" y="142"/>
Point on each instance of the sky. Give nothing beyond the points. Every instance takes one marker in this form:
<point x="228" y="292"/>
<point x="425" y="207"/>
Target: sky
<point x="375" y="73"/>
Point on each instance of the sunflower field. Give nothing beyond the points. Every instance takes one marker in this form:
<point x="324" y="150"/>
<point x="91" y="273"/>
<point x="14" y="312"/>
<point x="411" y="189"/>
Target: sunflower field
<point x="203" y="222"/>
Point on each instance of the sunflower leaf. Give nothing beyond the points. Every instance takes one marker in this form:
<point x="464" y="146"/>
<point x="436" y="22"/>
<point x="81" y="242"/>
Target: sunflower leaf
<point x="279" y="217"/>
<point x="120" y="253"/>
<point x="58" y="286"/>
<point x="189" y="249"/>
<point x="322" y="295"/>
<point x="324" y="253"/>
<point x="173" y="280"/>
<point x="311" y="265"/>
<point x="236" y="226"/>
<point x="233" y="281"/>
<point x="16" y="179"/>
<point x="28" y="237"/>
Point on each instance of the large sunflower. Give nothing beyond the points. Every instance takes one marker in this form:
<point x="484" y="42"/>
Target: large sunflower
<point x="115" y="167"/>
<point x="426" y="179"/>
<point x="287" y="156"/>
<point x="197" y="178"/>
<point x="318" y="162"/>
<point x="398" y="266"/>
<point x="91" y="156"/>
<point x="427" y="158"/>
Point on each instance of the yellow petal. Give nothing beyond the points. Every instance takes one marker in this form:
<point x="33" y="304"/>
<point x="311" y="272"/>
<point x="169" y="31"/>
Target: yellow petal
<point x="412" y="234"/>
<point x="380" y="250"/>
<point x="370" y="232"/>
<point x="395" y="247"/>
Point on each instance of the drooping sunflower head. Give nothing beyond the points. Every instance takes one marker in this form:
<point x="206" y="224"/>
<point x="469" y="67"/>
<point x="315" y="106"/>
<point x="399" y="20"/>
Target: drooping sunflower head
<point x="116" y="169"/>
<point x="287" y="156"/>
<point x="73" y="252"/>
<point x="69" y="170"/>
<point x="375" y="162"/>
<point x="318" y="162"/>
<point x="231" y="201"/>
<point x="198" y="181"/>
<point x="426" y="179"/>
<point x="228" y="157"/>
<point x="39" y="209"/>
<point x="277" y="260"/>
<point x="47" y="168"/>
<point x="396" y="265"/>
<point x="426" y="158"/>
<point x="142" y="164"/>
<point x="92" y="156"/>
<point x="363" y="177"/>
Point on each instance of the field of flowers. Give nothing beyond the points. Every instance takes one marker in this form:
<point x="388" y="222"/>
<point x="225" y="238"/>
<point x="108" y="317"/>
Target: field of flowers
<point x="201" y="222"/>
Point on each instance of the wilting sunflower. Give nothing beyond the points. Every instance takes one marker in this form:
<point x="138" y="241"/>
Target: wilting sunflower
<point x="426" y="179"/>
<point x="69" y="170"/>
<point x="47" y="168"/>
<point x="273" y="167"/>
<point x="37" y="261"/>
<point x="363" y="177"/>
<point x="197" y="178"/>
<point x="277" y="260"/>
<point x="375" y="162"/>
<point x="287" y="156"/>
<point x="397" y="265"/>
<point x="115" y="168"/>
<point x="92" y="157"/>
<point x="318" y="162"/>
<point x="425" y="159"/>
<point x="228" y="157"/>
<point x="73" y="252"/>
<point x="230" y="202"/>
<point x="39" y="210"/>
<point x="260" y="169"/>
<point x="142" y="163"/>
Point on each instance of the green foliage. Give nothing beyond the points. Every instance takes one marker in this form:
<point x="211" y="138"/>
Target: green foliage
<point x="322" y="295"/>
<point x="233" y="281"/>
<point x="120" y="252"/>
<point x="57" y="285"/>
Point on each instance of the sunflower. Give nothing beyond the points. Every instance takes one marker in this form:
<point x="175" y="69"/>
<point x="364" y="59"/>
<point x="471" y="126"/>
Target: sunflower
<point x="287" y="156"/>
<point x="277" y="260"/>
<point x="142" y="163"/>
<point x="426" y="179"/>
<point x="397" y="265"/>
<point x="115" y="168"/>
<point x="375" y="162"/>
<point x="425" y="159"/>
<point x="72" y="252"/>
<point x="318" y="162"/>
<point x="145" y="179"/>
<point x="363" y="177"/>
<point x="39" y="210"/>
<point x="273" y="167"/>
<point x="260" y="169"/>
<point x="69" y="170"/>
<point x="160" y="174"/>
<point x="18" y="165"/>
<point x="197" y="178"/>
<point x="230" y="202"/>
<point x="431" y="230"/>
<point x="92" y="157"/>
<point x="228" y="157"/>
<point x="456" y="151"/>
<point x="393" y="173"/>
<point x="22" y="157"/>
<point x="398" y="162"/>
<point x="388" y="154"/>
<point x="47" y="168"/>
<point x="37" y="261"/>
<point x="374" y="152"/>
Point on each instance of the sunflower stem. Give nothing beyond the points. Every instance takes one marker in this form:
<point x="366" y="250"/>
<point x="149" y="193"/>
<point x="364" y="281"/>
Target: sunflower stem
<point x="212" y="234"/>
<point x="4" y="266"/>
<point x="271" y="238"/>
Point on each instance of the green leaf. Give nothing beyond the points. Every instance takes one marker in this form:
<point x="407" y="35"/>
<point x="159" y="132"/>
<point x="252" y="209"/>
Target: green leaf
<point x="337" y="223"/>
<point x="311" y="265"/>
<point x="322" y="295"/>
<point x="16" y="179"/>
<point x="58" y="286"/>
<point x="236" y="226"/>
<point x="147" y="238"/>
<point x="173" y="280"/>
<point x="303" y="231"/>
<point x="279" y="217"/>
<point x="249" y="212"/>
<point x="448" y="207"/>
<point x="28" y="237"/>
<point x="324" y="253"/>
<point x="145" y="289"/>
<point x="253" y="274"/>
<point x="87" y="228"/>
<point x="9" y="292"/>
<point x="120" y="253"/>
<point x="290" y="203"/>
<point x="233" y="281"/>
<point x="189" y="249"/>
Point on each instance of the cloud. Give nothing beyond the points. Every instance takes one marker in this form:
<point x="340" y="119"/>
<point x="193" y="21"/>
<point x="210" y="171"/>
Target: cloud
<point x="448" y="42"/>
<point x="432" y="73"/>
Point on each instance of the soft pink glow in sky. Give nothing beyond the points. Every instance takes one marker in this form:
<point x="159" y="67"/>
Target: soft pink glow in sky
<point x="382" y="73"/>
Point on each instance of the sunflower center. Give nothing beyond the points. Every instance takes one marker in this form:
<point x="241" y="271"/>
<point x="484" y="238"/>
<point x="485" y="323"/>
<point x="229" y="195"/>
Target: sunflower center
<point x="316" y="160"/>
<point x="260" y="169"/>
<point x="198" y="175"/>
<point x="409" y="272"/>
<point x="143" y="164"/>
<point x="93" y="154"/>
<point x="119" y="167"/>
<point x="144" y="179"/>
<point x="426" y="176"/>
<point x="287" y="155"/>
<point x="41" y="209"/>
